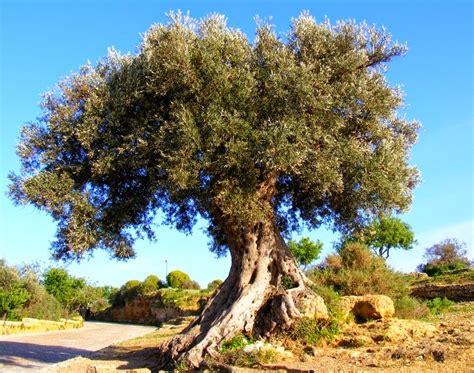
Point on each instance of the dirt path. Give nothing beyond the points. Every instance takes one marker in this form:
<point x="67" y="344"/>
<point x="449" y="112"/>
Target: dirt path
<point x="33" y="351"/>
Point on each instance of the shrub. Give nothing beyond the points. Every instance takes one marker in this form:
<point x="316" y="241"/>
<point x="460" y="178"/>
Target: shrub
<point x="235" y="343"/>
<point x="61" y="285"/>
<point x="407" y="307"/>
<point x="176" y="279"/>
<point x="434" y="270"/>
<point x="149" y="285"/>
<point x="355" y="270"/>
<point x="446" y="256"/>
<point x="44" y="306"/>
<point x="127" y="291"/>
<point x="439" y="305"/>
<point x="190" y="285"/>
<point x="214" y="285"/>
<point x="11" y="301"/>
<point x="312" y="332"/>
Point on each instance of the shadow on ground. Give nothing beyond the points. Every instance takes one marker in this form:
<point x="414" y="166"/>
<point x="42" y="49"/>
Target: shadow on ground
<point x="128" y="358"/>
<point x="26" y="354"/>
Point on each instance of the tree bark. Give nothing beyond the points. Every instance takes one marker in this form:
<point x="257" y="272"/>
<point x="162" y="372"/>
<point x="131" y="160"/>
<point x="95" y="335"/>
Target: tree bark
<point x="264" y="291"/>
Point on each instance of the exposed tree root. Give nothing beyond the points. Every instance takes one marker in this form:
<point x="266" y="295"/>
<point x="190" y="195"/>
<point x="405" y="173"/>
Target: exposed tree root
<point x="253" y="300"/>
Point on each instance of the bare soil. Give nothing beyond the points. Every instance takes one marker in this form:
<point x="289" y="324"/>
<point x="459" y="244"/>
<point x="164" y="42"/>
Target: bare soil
<point x="442" y="344"/>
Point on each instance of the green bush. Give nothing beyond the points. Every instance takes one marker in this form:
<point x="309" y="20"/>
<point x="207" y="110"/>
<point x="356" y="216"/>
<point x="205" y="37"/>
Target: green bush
<point x="433" y="270"/>
<point x="44" y="306"/>
<point x="408" y="307"/>
<point x="64" y="287"/>
<point x="149" y="285"/>
<point x="190" y="285"/>
<point x="439" y="305"/>
<point x="355" y="270"/>
<point x="11" y="302"/>
<point x="235" y="343"/>
<point x="214" y="285"/>
<point x="311" y="332"/>
<point x="446" y="256"/>
<point x="176" y="279"/>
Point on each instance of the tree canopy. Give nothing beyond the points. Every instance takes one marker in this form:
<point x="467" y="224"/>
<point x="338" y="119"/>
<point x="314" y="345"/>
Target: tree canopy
<point x="201" y="118"/>
<point x="305" y="251"/>
<point x="383" y="234"/>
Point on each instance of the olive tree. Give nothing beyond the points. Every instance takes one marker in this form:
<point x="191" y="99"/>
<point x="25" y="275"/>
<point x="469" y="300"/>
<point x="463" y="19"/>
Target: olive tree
<point x="255" y="137"/>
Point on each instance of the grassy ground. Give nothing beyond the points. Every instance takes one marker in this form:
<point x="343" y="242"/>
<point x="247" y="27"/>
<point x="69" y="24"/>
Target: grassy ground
<point x="29" y="325"/>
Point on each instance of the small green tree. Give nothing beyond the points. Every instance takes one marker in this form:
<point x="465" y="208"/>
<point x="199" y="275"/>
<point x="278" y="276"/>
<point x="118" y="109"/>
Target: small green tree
<point x="13" y="295"/>
<point x="12" y="300"/>
<point x="64" y="287"/>
<point x="149" y="285"/>
<point x="176" y="279"/>
<point x="383" y="234"/>
<point x="305" y="251"/>
<point x="448" y="255"/>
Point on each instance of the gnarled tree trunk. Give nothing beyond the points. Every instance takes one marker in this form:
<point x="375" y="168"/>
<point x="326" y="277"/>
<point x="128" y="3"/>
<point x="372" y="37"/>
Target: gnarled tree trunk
<point x="265" y="291"/>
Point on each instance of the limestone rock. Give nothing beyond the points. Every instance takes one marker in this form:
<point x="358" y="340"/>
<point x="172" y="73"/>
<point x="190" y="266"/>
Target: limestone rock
<point x="368" y="307"/>
<point x="313" y="307"/>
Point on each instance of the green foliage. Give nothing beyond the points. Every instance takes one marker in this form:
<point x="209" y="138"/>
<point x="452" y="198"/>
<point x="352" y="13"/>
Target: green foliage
<point x="235" y="343"/>
<point x="191" y="285"/>
<point x="240" y="358"/>
<point x="214" y="285"/>
<point x="201" y="117"/>
<point x="22" y="294"/>
<point x="149" y="285"/>
<point x="13" y="294"/>
<point x="446" y="256"/>
<point x="383" y="234"/>
<point x="439" y="305"/>
<point x="305" y="251"/>
<point x="408" y="307"/>
<point x="433" y="270"/>
<point x="64" y="287"/>
<point x="355" y="270"/>
<point x="12" y="300"/>
<point x="312" y="332"/>
<point x="176" y="279"/>
<point x="180" y="298"/>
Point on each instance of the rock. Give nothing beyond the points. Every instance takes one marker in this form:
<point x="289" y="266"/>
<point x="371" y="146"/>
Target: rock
<point x="419" y="275"/>
<point x="368" y="307"/>
<point x="313" y="307"/>
<point x="101" y="369"/>
<point x="408" y="330"/>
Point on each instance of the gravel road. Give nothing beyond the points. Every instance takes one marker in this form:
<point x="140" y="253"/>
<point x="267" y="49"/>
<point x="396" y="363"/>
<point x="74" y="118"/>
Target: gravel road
<point x="33" y="351"/>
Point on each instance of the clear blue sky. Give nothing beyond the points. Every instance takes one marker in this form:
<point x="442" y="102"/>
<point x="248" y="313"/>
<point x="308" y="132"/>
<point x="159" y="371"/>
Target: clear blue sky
<point x="42" y="41"/>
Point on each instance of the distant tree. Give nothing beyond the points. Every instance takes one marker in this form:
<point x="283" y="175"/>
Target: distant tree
<point x="64" y="287"/>
<point x="384" y="234"/>
<point x="305" y="251"/>
<point x="89" y="299"/>
<point x="176" y="279"/>
<point x="214" y="284"/>
<point x="149" y="285"/>
<point x="448" y="255"/>
<point x="13" y="294"/>
<point x="255" y="137"/>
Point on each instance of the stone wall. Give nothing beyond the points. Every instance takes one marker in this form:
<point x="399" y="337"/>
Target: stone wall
<point x="457" y="292"/>
<point x="148" y="310"/>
